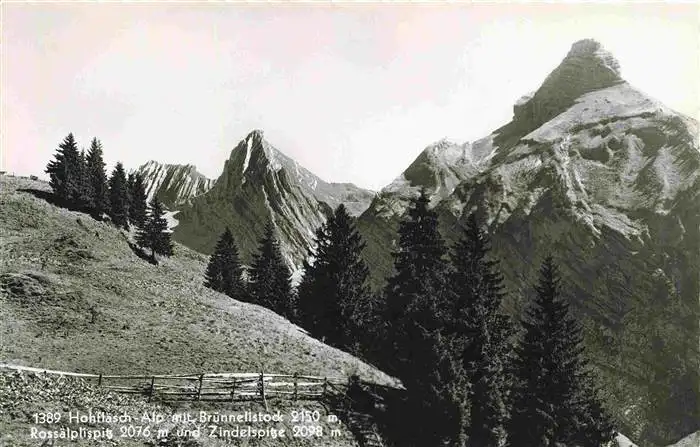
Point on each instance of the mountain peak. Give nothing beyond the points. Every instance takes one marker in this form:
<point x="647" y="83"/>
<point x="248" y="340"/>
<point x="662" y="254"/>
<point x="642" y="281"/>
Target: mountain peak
<point x="587" y="67"/>
<point x="256" y="134"/>
<point x="589" y="53"/>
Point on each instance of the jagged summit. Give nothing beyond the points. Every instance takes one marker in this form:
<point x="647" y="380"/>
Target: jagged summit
<point x="592" y="49"/>
<point x="261" y="184"/>
<point x="154" y="163"/>
<point x="174" y="184"/>
<point x="587" y="67"/>
<point x="254" y="158"/>
<point x="258" y="134"/>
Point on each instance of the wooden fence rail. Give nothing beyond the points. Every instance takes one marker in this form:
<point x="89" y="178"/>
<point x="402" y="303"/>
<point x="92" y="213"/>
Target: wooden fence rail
<point x="214" y="386"/>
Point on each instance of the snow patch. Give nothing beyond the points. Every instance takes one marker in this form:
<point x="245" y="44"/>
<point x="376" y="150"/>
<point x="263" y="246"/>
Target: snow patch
<point x="623" y="441"/>
<point x="247" y="157"/>
<point x="172" y="222"/>
<point x="296" y="276"/>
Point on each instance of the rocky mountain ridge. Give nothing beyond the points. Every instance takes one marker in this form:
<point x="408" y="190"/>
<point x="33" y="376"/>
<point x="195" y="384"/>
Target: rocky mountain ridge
<point x="175" y="185"/>
<point x="260" y="184"/>
<point x="607" y="180"/>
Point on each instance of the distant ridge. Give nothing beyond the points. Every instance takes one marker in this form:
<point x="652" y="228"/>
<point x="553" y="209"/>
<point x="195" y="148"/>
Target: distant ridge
<point x="173" y="184"/>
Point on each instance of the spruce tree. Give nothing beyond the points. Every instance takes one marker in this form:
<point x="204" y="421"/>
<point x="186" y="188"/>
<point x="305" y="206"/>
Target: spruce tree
<point x="269" y="277"/>
<point x="97" y="179"/>
<point x="118" y="197"/>
<point x="334" y="287"/>
<point x="427" y="350"/>
<point x="224" y="272"/>
<point x="130" y="180"/>
<point x="418" y="287"/>
<point x="137" y="200"/>
<point x="83" y="193"/>
<point x="154" y="234"/>
<point x="554" y="400"/>
<point x="64" y="171"/>
<point x="479" y="291"/>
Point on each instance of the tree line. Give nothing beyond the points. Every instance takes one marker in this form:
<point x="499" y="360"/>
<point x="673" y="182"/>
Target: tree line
<point x="473" y="376"/>
<point x="79" y="181"/>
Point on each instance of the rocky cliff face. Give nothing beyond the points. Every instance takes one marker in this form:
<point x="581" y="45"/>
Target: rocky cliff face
<point x="607" y="180"/>
<point x="260" y="184"/>
<point x="175" y="185"/>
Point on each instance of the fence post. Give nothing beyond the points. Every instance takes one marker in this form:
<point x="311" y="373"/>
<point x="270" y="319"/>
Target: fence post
<point x="262" y="388"/>
<point x="99" y="380"/>
<point x="150" y="393"/>
<point x="199" y="390"/>
<point x="233" y="389"/>
<point x="325" y="387"/>
<point x="296" y="385"/>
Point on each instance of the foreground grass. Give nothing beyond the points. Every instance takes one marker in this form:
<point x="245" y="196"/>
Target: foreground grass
<point x="24" y="395"/>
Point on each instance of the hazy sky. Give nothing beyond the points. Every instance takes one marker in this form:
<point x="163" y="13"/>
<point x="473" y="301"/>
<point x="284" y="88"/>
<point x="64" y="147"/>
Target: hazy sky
<point x="353" y="93"/>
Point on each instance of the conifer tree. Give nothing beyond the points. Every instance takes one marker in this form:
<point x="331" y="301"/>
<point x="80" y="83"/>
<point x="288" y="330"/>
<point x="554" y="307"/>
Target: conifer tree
<point x="420" y="278"/>
<point x="137" y="199"/>
<point x="83" y="193"/>
<point x="426" y="348"/>
<point x="334" y="287"/>
<point x="479" y="291"/>
<point x="130" y="180"/>
<point x="554" y="401"/>
<point x="269" y="277"/>
<point x="118" y="197"/>
<point x="224" y="272"/>
<point x="97" y="179"/>
<point x="154" y="234"/>
<point x="64" y="171"/>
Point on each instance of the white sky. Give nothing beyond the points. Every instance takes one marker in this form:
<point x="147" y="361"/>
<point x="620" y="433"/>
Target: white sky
<point x="353" y="93"/>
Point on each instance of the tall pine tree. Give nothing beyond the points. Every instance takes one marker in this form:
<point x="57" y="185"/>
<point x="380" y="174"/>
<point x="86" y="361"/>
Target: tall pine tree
<point x="554" y="401"/>
<point x="119" y="197"/>
<point x="97" y="178"/>
<point x="154" y="234"/>
<point x="479" y="291"/>
<point x="130" y="180"/>
<point x="137" y="199"/>
<point x="427" y="350"/>
<point x="224" y="272"/>
<point x="334" y="289"/>
<point x="83" y="194"/>
<point x="270" y="279"/>
<point x="64" y="171"/>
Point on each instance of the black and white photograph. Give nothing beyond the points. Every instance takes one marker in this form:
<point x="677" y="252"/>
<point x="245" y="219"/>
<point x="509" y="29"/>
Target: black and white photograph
<point x="349" y="224"/>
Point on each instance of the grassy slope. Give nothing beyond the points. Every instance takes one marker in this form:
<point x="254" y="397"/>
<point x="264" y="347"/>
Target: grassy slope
<point x="74" y="296"/>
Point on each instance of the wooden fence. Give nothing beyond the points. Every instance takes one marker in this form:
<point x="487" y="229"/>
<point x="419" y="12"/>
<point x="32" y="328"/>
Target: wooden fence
<point x="216" y="386"/>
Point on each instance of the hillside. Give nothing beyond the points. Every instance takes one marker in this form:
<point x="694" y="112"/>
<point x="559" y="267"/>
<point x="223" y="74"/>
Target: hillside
<point x="72" y="288"/>
<point x="607" y="180"/>
<point x="75" y="297"/>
